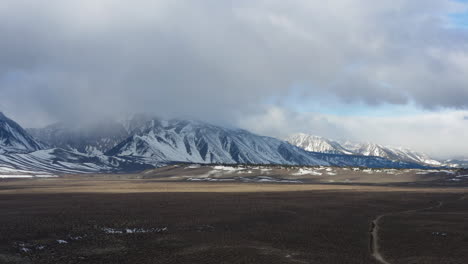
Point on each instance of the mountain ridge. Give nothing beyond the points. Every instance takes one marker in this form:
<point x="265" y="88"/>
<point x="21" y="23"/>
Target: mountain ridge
<point x="14" y="139"/>
<point x="324" y="145"/>
<point x="146" y="141"/>
<point x="197" y="141"/>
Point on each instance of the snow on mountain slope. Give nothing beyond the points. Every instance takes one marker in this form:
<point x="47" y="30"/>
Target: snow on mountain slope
<point x="64" y="161"/>
<point x="399" y="154"/>
<point x="413" y="156"/>
<point x="317" y="144"/>
<point x="198" y="142"/>
<point x="90" y="138"/>
<point x="193" y="141"/>
<point x="145" y="142"/>
<point x="14" y="139"/>
<point x="323" y="145"/>
<point x="456" y="163"/>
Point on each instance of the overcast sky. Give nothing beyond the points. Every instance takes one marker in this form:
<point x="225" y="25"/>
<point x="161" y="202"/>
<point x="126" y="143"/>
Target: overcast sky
<point x="390" y="71"/>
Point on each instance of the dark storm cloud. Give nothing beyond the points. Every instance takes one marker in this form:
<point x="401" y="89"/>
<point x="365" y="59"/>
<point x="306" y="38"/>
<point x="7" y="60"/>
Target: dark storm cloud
<point x="217" y="59"/>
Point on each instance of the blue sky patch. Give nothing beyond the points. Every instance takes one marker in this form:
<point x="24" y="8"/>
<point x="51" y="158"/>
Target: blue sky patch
<point x="459" y="20"/>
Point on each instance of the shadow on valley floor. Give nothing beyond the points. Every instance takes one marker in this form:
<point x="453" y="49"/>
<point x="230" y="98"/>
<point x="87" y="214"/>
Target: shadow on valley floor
<point x="321" y="226"/>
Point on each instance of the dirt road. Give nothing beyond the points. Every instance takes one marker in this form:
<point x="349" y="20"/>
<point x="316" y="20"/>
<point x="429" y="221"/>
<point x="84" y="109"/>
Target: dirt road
<point x="374" y="240"/>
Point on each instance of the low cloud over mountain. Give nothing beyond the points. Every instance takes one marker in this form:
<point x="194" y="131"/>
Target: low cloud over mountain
<point x="66" y="60"/>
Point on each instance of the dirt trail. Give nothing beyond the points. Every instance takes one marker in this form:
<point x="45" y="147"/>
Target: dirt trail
<point x="374" y="231"/>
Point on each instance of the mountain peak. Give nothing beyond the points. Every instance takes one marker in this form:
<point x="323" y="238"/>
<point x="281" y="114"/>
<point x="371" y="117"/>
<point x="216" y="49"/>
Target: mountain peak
<point x="154" y="141"/>
<point x="197" y="141"/>
<point x="3" y="116"/>
<point x="13" y="138"/>
<point x="324" y="145"/>
<point x="317" y="144"/>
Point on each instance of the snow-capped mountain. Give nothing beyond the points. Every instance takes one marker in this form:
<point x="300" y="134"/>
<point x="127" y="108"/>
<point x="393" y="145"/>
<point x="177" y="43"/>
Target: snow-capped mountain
<point x="198" y="142"/>
<point x="323" y="145"/>
<point x="317" y="144"/>
<point x="456" y="163"/>
<point x="194" y="141"/>
<point x="402" y="154"/>
<point x="21" y="151"/>
<point x="144" y="142"/>
<point x="65" y="161"/>
<point x="14" y="139"/>
<point x="91" y="138"/>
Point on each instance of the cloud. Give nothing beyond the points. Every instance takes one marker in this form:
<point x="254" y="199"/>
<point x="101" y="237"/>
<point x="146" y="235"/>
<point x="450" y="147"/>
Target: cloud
<point x="280" y="122"/>
<point x="210" y="57"/>
<point x="441" y="134"/>
<point x="221" y="61"/>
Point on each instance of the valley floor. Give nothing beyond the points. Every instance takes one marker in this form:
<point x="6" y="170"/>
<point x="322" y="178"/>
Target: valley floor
<point x="124" y="219"/>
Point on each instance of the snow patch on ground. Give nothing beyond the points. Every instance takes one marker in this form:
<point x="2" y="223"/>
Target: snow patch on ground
<point x="268" y="179"/>
<point x="454" y="179"/>
<point x="109" y="230"/>
<point x="458" y="178"/>
<point x="258" y="179"/>
<point x="226" y="168"/>
<point x="25" y="249"/>
<point x="439" y="234"/>
<point x="302" y="171"/>
<point x="193" y="166"/>
<point x="45" y="176"/>
<point x="17" y="176"/>
<point x="424" y="172"/>
<point x="210" y="179"/>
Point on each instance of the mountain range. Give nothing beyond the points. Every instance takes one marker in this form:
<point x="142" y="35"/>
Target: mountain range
<point x="145" y="141"/>
<point x="324" y="145"/>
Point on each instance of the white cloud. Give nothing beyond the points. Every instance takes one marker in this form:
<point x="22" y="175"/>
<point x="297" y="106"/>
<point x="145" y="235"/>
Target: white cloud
<point x="441" y="134"/>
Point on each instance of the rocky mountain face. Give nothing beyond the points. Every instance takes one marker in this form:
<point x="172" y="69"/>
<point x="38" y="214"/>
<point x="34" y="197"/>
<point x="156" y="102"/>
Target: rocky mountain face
<point x="323" y="145"/>
<point x="402" y="154"/>
<point x="199" y="142"/>
<point x="143" y="141"/>
<point x="64" y="161"/>
<point x="14" y="139"/>
<point x="317" y="144"/>
<point x="21" y="152"/>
